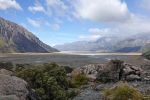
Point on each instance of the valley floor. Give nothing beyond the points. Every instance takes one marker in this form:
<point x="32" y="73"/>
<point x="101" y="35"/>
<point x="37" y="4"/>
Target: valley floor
<point x="73" y="59"/>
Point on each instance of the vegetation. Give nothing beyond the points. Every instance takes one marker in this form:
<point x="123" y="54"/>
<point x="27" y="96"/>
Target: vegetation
<point x="147" y="95"/>
<point x="1" y="43"/>
<point x="123" y="92"/>
<point x="147" y="55"/>
<point x="79" y="79"/>
<point x="49" y="81"/>
<point x="6" y="65"/>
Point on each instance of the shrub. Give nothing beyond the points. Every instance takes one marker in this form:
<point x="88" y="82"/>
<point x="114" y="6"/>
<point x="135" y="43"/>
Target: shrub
<point x="79" y="79"/>
<point x="123" y="92"/>
<point x="49" y="81"/>
<point x="6" y="65"/>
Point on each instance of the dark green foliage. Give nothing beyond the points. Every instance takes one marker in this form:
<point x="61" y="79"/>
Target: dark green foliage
<point x="146" y="55"/>
<point x="122" y="92"/>
<point x="6" y="65"/>
<point x="49" y="81"/>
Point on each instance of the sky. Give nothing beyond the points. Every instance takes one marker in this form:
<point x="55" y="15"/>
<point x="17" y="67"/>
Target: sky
<point x="63" y="21"/>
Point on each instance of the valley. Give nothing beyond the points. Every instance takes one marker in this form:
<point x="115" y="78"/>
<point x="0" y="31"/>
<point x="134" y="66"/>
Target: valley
<point x="72" y="59"/>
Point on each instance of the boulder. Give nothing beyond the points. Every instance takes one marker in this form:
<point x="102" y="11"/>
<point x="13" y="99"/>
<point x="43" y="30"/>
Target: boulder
<point x="14" y="88"/>
<point x="67" y="69"/>
<point x="6" y="72"/>
<point x="133" y="78"/>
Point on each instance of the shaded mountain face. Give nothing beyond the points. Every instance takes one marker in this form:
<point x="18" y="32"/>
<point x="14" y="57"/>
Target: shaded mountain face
<point x="134" y="43"/>
<point x="15" y="38"/>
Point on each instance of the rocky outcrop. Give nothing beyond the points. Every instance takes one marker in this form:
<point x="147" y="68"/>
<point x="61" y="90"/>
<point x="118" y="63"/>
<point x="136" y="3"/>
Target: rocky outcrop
<point x="131" y="72"/>
<point x="15" y="38"/>
<point x="114" y="71"/>
<point x="91" y="70"/>
<point x="14" y="88"/>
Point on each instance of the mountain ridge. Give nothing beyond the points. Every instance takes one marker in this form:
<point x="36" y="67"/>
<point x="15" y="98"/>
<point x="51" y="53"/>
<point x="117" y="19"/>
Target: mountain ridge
<point x="15" y="38"/>
<point x="134" y="43"/>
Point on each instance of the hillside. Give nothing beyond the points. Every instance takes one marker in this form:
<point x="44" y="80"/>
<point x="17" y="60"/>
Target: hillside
<point x="15" y="38"/>
<point x="133" y="43"/>
<point x="103" y="44"/>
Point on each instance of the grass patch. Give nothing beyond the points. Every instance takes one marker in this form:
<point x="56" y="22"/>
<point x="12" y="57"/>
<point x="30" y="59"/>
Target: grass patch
<point x="122" y="92"/>
<point x="78" y="80"/>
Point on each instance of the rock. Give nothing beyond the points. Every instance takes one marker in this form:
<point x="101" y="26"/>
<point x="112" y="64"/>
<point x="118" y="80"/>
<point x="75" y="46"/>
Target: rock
<point x="11" y="85"/>
<point x="9" y="97"/>
<point x="14" y="88"/>
<point x="133" y="78"/>
<point x="6" y="72"/>
<point x="113" y="71"/>
<point x="88" y="94"/>
<point x="127" y="70"/>
<point x="68" y="69"/>
<point x="90" y="71"/>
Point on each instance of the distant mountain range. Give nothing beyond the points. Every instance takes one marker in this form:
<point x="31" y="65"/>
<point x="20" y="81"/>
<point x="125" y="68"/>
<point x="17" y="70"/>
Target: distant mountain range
<point x="15" y="38"/>
<point x="134" y="43"/>
<point x="103" y="44"/>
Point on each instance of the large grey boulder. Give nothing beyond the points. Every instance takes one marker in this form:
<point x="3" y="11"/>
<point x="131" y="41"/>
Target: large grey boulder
<point x="11" y="85"/>
<point x="14" y="88"/>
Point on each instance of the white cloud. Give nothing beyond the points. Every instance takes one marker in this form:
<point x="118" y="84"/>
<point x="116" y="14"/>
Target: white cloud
<point x="145" y="4"/>
<point x="6" y="4"/>
<point x="99" y="31"/>
<point x="95" y="33"/>
<point x="36" y="8"/>
<point x="34" y="23"/>
<point x="90" y="37"/>
<point x="55" y="27"/>
<point x="135" y="25"/>
<point x="101" y="10"/>
<point x="56" y="7"/>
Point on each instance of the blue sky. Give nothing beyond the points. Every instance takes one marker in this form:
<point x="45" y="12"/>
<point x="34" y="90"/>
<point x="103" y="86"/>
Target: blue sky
<point x="62" y="21"/>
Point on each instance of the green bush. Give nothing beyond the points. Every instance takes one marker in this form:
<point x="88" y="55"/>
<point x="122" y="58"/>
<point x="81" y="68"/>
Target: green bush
<point x="123" y="92"/>
<point x="6" y="65"/>
<point x="79" y="79"/>
<point x="49" y="81"/>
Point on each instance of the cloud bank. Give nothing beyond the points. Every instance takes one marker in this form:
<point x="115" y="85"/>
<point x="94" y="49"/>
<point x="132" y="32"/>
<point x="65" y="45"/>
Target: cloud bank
<point x="101" y="10"/>
<point x="7" y="4"/>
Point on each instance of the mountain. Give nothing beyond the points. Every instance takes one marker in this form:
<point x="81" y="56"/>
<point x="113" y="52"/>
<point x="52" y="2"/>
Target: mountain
<point x="132" y="43"/>
<point x="103" y="44"/>
<point x="15" y="38"/>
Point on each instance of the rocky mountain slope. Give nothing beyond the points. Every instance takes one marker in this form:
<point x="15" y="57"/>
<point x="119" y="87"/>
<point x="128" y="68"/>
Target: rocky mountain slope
<point x="15" y="38"/>
<point x="134" y="43"/>
<point x="104" y="44"/>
